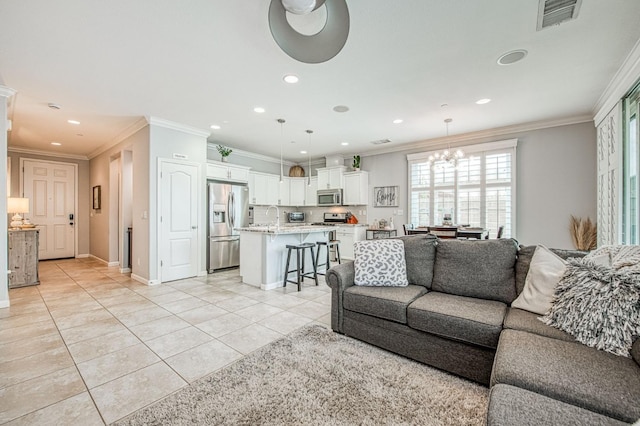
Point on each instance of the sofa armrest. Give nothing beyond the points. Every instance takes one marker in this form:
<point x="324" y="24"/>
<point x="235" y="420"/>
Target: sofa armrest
<point x="339" y="278"/>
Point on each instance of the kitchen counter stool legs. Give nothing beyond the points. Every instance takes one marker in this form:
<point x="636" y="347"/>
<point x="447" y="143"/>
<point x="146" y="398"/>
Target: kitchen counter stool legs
<point x="327" y="245"/>
<point x="299" y="270"/>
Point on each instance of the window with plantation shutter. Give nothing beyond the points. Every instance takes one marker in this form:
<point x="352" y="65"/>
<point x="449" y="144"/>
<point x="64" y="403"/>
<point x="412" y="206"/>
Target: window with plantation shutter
<point x="479" y="191"/>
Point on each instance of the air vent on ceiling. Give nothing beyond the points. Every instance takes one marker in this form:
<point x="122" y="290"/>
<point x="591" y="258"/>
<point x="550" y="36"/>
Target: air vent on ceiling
<point x="555" y="12"/>
<point x="381" y="141"/>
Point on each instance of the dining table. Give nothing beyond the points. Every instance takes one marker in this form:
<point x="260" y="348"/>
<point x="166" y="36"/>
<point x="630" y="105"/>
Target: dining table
<point x="451" y="232"/>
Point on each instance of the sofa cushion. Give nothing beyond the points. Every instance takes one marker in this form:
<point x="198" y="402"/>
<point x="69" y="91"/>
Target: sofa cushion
<point x="525" y="253"/>
<point x="420" y="255"/>
<point x="465" y="319"/>
<point x="389" y="303"/>
<point x="509" y="405"/>
<point x="483" y="269"/>
<point x="517" y="319"/>
<point x="545" y="272"/>
<point x="380" y="263"/>
<point x="597" y="305"/>
<point x="570" y="372"/>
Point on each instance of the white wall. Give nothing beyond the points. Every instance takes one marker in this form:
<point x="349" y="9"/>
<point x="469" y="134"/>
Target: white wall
<point x="4" y="285"/>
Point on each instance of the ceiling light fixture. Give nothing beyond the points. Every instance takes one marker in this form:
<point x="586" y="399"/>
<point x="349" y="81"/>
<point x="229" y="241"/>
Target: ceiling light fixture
<point x="56" y="143"/>
<point x="397" y="121"/>
<point x="341" y="108"/>
<point x="512" y="57"/>
<point x="310" y="49"/>
<point x="281" y="121"/>
<point x="291" y="78"/>
<point x="447" y="158"/>
<point x="309" y="132"/>
<point x="344" y="143"/>
<point x="259" y="110"/>
<point x="483" y="101"/>
<point x="76" y="122"/>
<point x="215" y="127"/>
<point x="303" y="152"/>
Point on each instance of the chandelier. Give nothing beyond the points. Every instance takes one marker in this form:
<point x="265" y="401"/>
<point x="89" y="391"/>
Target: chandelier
<point x="447" y="157"/>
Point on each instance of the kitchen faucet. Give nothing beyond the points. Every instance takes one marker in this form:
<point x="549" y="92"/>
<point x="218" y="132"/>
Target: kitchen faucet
<point x="277" y="222"/>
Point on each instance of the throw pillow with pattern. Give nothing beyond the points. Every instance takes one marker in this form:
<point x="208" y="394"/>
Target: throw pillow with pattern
<point x="380" y="263"/>
<point x="599" y="306"/>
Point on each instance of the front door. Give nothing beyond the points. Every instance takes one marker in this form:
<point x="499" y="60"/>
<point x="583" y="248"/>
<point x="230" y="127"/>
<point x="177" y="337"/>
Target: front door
<point x="178" y="221"/>
<point x="50" y="188"/>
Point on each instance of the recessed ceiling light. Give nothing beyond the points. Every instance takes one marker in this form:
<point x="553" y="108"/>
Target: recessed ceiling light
<point x="259" y="110"/>
<point x="512" y="57"/>
<point x="397" y="121"/>
<point x="215" y="127"/>
<point x="303" y="152"/>
<point x="341" y="108"/>
<point x="344" y="143"/>
<point x="291" y="78"/>
<point x="73" y="122"/>
<point x="483" y="101"/>
<point x="56" y="143"/>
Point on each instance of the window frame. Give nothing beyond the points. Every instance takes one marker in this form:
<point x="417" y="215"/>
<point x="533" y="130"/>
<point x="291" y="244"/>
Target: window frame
<point x="483" y="150"/>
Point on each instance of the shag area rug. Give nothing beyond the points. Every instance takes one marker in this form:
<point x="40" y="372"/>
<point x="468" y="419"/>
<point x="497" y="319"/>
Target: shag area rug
<point x="316" y="377"/>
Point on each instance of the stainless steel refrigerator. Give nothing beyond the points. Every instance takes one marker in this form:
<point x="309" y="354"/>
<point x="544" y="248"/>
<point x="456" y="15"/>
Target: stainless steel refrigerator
<point x="228" y="207"/>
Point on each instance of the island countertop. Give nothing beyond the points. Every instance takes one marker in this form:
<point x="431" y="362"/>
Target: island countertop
<point x="286" y="229"/>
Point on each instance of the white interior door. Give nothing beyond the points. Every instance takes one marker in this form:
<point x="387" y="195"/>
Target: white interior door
<point x="178" y="221"/>
<point x="50" y="188"/>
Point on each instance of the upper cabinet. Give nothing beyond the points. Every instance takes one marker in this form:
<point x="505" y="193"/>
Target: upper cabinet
<point x="331" y="178"/>
<point x="283" y="191"/>
<point x="356" y="188"/>
<point x="297" y="189"/>
<point x="263" y="189"/>
<point x="311" y="192"/>
<point x="227" y="172"/>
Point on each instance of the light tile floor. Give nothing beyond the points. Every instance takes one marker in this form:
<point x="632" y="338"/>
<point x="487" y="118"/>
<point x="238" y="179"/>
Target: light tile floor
<point x="90" y="346"/>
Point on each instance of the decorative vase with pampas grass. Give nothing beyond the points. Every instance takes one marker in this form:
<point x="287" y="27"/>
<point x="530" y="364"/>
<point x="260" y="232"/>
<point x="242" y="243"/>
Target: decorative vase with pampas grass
<point x="584" y="233"/>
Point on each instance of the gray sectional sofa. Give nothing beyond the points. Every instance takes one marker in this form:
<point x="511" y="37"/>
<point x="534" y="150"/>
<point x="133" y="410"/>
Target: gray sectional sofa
<point x="455" y="315"/>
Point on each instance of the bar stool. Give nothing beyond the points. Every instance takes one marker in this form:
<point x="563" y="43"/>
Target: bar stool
<point x="327" y="245"/>
<point x="300" y="253"/>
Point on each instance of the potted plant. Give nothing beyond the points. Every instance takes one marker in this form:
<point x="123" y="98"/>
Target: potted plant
<point x="224" y="152"/>
<point x="356" y="163"/>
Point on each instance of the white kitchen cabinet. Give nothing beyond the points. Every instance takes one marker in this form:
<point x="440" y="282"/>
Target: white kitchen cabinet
<point x="263" y="189"/>
<point x="227" y="172"/>
<point x="356" y="188"/>
<point x="283" y="191"/>
<point x="311" y="192"/>
<point x="331" y="177"/>
<point x="348" y="235"/>
<point x="297" y="191"/>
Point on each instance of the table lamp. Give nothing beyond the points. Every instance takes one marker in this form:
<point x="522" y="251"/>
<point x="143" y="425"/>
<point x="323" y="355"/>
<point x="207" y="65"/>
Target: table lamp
<point x="17" y="206"/>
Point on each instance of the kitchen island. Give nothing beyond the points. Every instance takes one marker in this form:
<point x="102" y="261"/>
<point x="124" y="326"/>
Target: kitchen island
<point x="263" y="252"/>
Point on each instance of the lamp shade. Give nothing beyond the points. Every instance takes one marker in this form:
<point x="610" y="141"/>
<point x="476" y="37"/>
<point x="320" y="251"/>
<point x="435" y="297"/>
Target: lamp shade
<point x="17" y="205"/>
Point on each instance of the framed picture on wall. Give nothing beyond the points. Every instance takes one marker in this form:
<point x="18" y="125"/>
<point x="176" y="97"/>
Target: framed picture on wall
<point x="96" y="197"/>
<point x="385" y="196"/>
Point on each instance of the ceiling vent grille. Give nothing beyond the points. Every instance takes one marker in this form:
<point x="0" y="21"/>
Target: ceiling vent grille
<point x="381" y="141"/>
<point x="555" y="12"/>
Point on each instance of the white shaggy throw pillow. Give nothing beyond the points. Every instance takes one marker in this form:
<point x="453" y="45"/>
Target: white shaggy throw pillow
<point x="380" y="263"/>
<point x="544" y="274"/>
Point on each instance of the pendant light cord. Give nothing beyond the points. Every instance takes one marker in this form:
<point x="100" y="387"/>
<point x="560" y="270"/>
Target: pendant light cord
<point x="281" y="121"/>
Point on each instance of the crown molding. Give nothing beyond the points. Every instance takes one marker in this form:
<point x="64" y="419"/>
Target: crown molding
<point x="127" y="132"/>
<point x="46" y="153"/>
<point x="6" y="92"/>
<point x="161" y="122"/>
<point x="481" y="135"/>
<point x="252" y="155"/>
<point x="624" y="79"/>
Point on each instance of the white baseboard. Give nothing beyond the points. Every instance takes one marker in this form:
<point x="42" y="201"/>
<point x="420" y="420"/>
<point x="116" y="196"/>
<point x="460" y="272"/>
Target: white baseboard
<point x="4" y="304"/>
<point x="271" y="286"/>
<point x="125" y="270"/>
<point x="144" y="280"/>
<point x="113" y="264"/>
<point x="203" y="273"/>
<point x="82" y="256"/>
<point x="98" y="259"/>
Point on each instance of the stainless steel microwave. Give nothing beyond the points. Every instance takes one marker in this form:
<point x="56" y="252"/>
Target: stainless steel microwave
<point x="329" y="197"/>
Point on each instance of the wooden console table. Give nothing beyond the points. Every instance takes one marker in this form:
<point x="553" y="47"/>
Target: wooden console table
<point x="23" y="257"/>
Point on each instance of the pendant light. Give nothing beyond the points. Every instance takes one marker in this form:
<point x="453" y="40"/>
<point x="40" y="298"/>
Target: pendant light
<point x="281" y="121"/>
<point x="447" y="157"/>
<point x="309" y="156"/>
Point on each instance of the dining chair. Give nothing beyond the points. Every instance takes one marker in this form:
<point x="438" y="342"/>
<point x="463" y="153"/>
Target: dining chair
<point x="407" y="227"/>
<point x="500" y="231"/>
<point x="443" y="231"/>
